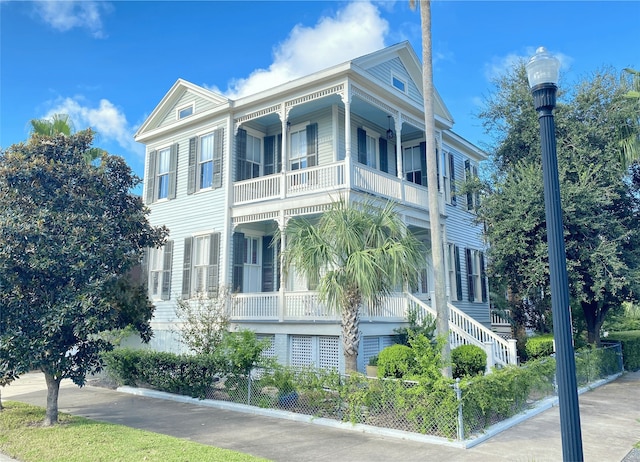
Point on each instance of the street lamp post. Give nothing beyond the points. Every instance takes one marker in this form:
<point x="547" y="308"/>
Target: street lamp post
<point x="542" y="71"/>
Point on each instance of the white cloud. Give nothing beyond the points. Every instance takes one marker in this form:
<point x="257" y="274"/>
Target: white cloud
<point x="106" y="119"/>
<point x="66" y="15"/>
<point x="355" y="30"/>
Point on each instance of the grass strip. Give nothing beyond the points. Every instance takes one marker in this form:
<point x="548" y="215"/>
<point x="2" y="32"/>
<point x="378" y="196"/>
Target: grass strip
<point x="77" y="439"/>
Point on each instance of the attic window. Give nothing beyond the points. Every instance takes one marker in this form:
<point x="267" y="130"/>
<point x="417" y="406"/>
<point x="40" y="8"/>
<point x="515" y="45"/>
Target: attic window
<point x="185" y="111"/>
<point x="399" y="83"/>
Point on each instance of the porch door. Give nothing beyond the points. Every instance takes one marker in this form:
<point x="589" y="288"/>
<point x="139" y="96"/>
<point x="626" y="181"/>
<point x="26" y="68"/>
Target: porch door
<point x="252" y="264"/>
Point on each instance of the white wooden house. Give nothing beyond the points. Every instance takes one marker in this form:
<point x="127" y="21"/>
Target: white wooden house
<point x="224" y="175"/>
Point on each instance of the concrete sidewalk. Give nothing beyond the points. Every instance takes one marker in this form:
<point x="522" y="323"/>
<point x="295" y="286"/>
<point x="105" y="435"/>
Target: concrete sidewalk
<point x="609" y="417"/>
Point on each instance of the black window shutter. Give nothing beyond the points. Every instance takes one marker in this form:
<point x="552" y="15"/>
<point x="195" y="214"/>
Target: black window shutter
<point x="186" y="268"/>
<point x="191" y="178"/>
<point x="267" y="264"/>
<point x="467" y="171"/>
<point x="151" y="177"/>
<point x="241" y="155"/>
<point x="279" y="153"/>
<point x="362" y="146"/>
<point x="166" y="270"/>
<point x="312" y="145"/>
<point x="470" y="287"/>
<point x="458" y="273"/>
<point x="238" y="262"/>
<point x="269" y="155"/>
<point x="218" y="140"/>
<point x="214" y="262"/>
<point x="452" y="178"/>
<point x="423" y="163"/>
<point x="384" y="161"/>
<point x="438" y="167"/>
<point x="483" y="278"/>
<point x="173" y="169"/>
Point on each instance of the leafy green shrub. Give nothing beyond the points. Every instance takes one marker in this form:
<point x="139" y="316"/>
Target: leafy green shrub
<point x="428" y="360"/>
<point x="184" y="374"/>
<point x="417" y="326"/>
<point x="373" y="360"/>
<point x="496" y="396"/>
<point x="238" y="352"/>
<point x="539" y="346"/>
<point x="122" y="365"/>
<point x="630" y="341"/>
<point x="596" y="363"/>
<point x="468" y="360"/>
<point x="396" y="361"/>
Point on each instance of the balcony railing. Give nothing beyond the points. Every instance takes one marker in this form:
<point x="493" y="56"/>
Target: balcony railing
<point x="305" y="306"/>
<point x="329" y="178"/>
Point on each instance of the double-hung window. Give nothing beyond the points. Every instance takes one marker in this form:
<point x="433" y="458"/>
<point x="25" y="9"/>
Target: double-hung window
<point x="303" y="151"/>
<point x="476" y="277"/>
<point x="205" y="161"/>
<point x="159" y="267"/>
<point x="368" y="145"/>
<point x="414" y="164"/>
<point x="455" y="273"/>
<point x="161" y="174"/>
<point x="473" y="198"/>
<point x="249" y="155"/>
<point x="200" y="265"/>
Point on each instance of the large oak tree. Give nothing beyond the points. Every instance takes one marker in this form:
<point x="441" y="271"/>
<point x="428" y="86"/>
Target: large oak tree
<point x="601" y="221"/>
<point x="70" y="231"/>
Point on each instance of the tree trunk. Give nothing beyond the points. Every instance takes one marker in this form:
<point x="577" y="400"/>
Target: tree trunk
<point x="53" y="387"/>
<point x="442" y="309"/>
<point x="1" y="408"/>
<point x="593" y="316"/>
<point x="350" y="336"/>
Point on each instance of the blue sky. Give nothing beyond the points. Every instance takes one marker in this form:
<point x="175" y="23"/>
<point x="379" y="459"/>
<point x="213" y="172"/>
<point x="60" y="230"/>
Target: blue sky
<point x="108" y="64"/>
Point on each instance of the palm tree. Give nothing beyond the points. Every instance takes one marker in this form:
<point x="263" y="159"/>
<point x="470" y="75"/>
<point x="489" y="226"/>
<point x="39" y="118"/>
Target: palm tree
<point x="57" y="124"/>
<point x="442" y="309"/>
<point x="630" y="141"/>
<point x="356" y="253"/>
<point x="61" y="124"/>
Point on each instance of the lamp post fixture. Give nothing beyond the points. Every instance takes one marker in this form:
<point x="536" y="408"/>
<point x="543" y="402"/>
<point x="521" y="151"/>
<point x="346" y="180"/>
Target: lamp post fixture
<point x="542" y="71"/>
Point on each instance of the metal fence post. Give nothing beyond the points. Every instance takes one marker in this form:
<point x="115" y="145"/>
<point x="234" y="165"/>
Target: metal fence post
<point x="249" y="387"/>
<point x="460" y="416"/>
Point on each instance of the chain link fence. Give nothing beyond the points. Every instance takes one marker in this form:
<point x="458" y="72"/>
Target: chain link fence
<point x="452" y="411"/>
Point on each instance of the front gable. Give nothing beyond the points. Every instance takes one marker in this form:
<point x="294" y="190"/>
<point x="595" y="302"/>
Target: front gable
<point x="184" y="101"/>
<point x="398" y="67"/>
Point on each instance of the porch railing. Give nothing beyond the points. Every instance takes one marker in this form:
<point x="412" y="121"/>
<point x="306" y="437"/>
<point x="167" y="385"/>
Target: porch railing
<point x="463" y="329"/>
<point x="329" y="178"/>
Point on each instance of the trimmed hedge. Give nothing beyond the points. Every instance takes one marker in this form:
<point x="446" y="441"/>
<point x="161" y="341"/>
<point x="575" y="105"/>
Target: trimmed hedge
<point x="396" y="361"/>
<point x="468" y="360"/>
<point x="539" y="346"/>
<point x="183" y="374"/>
<point x="630" y="341"/>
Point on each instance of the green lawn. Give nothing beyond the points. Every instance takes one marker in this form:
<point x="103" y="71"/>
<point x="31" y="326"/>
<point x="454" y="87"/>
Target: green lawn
<point x="79" y="439"/>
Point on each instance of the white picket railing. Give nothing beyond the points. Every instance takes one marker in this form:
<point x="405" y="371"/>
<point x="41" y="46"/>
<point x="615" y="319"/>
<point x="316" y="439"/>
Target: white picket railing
<point x="329" y="178"/>
<point x="463" y="329"/>
<point x="305" y="306"/>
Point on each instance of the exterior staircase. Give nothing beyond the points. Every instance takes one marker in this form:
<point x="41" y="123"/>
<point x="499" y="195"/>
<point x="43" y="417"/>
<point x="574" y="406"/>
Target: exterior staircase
<point x="464" y="330"/>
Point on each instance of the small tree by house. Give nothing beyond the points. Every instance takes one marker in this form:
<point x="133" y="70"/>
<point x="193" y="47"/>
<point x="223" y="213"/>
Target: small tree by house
<point x="70" y="233"/>
<point x="203" y="321"/>
<point x="358" y="253"/>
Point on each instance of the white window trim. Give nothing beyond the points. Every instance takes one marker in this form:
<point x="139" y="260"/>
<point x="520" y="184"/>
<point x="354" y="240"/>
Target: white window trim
<point x="156" y="182"/>
<point x="179" y="109"/>
<point x="261" y="136"/>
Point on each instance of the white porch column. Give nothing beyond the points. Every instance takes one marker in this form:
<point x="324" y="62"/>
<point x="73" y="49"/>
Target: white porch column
<point x="282" y="224"/>
<point x="284" y="117"/>
<point x="399" y="167"/>
<point x="347" y="137"/>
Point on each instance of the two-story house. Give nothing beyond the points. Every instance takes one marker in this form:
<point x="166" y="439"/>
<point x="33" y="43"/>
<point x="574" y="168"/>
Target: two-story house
<point x="225" y="175"/>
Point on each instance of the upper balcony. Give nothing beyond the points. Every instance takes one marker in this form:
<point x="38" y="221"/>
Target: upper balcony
<point x="334" y="177"/>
